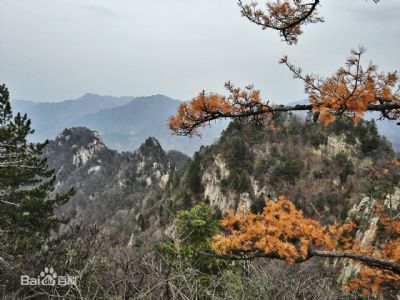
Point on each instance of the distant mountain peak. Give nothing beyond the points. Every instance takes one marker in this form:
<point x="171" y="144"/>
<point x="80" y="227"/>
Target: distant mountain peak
<point x="78" y="136"/>
<point x="152" y="141"/>
<point x="79" y="145"/>
<point x="123" y="122"/>
<point x="78" y="130"/>
<point x="151" y="145"/>
<point x="161" y="96"/>
<point x="89" y="95"/>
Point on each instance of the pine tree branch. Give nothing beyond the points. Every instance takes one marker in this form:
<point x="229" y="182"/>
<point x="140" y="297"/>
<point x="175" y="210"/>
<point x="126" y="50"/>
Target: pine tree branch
<point x="188" y="129"/>
<point x="371" y="261"/>
<point x="285" y="25"/>
<point x="374" y="262"/>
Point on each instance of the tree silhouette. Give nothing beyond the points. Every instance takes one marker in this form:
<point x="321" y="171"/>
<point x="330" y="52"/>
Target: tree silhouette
<point x="26" y="184"/>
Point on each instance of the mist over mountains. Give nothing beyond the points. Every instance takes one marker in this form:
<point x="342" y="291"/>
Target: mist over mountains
<point x="122" y="122"/>
<point x="125" y="122"/>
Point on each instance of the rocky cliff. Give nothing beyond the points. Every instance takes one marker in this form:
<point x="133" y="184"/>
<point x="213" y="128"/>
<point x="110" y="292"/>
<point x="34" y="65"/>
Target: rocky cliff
<point x="134" y="195"/>
<point x="369" y="232"/>
<point x="324" y="170"/>
<point x="332" y="173"/>
<point x="114" y="190"/>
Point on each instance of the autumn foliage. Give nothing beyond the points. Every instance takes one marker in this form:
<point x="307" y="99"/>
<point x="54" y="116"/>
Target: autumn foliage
<point x="350" y="92"/>
<point x="281" y="231"/>
<point x="396" y="163"/>
<point x="287" y="17"/>
<point x="371" y="280"/>
<point x="207" y="107"/>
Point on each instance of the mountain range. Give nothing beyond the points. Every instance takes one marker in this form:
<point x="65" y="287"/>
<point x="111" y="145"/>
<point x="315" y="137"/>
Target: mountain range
<point x="133" y="198"/>
<point x="134" y="195"/>
<point x="122" y="122"/>
<point x="125" y="122"/>
<point x="111" y="187"/>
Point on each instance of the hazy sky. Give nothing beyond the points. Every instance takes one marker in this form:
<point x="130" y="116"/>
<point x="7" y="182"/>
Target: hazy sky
<point x="60" y="49"/>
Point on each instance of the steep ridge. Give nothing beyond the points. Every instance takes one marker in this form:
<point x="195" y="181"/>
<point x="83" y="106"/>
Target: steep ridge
<point x="332" y="173"/>
<point x="112" y="189"/>
<point x="324" y="170"/>
<point x="135" y="195"/>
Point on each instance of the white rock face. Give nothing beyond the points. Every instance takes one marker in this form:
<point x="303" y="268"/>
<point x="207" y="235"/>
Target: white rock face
<point x="224" y="200"/>
<point x="212" y="185"/>
<point x="140" y="166"/>
<point x="83" y="155"/>
<point x="97" y="136"/>
<point x="365" y="210"/>
<point x="164" y="180"/>
<point x="334" y="146"/>
<point x="57" y="185"/>
<point x="368" y="237"/>
<point x="393" y="201"/>
<point x="60" y="170"/>
<point x="245" y="201"/>
<point x="94" y="169"/>
<point x="336" y="182"/>
<point x="131" y="239"/>
<point x="213" y="192"/>
<point x="121" y="183"/>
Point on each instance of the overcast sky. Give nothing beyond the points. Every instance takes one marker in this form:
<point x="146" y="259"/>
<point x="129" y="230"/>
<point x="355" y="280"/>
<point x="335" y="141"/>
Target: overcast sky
<point x="51" y="50"/>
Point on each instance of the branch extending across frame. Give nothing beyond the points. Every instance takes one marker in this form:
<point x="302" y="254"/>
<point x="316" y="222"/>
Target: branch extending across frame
<point x="371" y="261"/>
<point x="281" y="231"/>
<point x="191" y="129"/>
<point x="350" y="92"/>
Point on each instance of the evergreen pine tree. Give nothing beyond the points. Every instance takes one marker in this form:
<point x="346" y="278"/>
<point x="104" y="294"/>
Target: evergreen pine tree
<point x="27" y="201"/>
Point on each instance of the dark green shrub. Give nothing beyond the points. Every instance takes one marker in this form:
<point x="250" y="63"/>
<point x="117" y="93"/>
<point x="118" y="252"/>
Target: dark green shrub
<point x="258" y="205"/>
<point x="289" y="170"/>
<point x="318" y="138"/>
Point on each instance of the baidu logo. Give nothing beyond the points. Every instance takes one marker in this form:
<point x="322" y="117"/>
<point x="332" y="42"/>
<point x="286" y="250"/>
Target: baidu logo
<point x="48" y="277"/>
